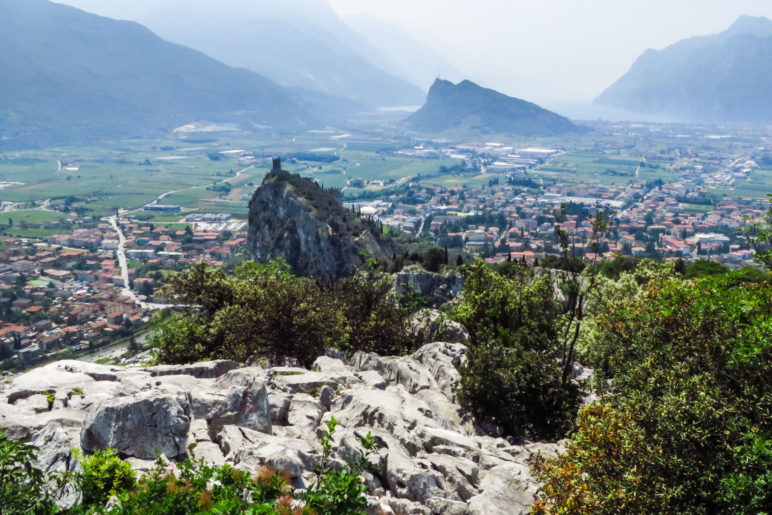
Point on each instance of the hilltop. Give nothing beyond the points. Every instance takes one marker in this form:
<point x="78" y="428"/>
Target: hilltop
<point x="723" y="77"/>
<point x="70" y="76"/>
<point x="293" y="218"/>
<point x="468" y="108"/>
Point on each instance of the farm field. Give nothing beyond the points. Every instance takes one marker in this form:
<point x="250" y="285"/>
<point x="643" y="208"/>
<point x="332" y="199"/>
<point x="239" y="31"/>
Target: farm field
<point x="757" y="187"/>
<point x="126" y="175"/>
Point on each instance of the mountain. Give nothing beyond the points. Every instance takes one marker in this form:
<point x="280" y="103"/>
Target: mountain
<point x="410" y="59"/>
<point x="69" y="76"/>
<point x="468" y="108"/>
<point x="725" y="77"/>
<point x="297" y="43"/>
<point x="293" y="218"/>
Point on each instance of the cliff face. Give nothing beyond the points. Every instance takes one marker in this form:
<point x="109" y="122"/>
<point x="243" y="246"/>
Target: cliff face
<point x="295" y="219"/>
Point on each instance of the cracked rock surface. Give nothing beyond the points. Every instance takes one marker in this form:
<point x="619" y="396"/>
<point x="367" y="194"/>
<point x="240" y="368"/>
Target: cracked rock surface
<point x="430" y="459"/>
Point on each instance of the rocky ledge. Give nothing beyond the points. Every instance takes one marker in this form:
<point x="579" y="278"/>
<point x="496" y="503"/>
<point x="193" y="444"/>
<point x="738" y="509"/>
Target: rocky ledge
<point x="430" y="457"/>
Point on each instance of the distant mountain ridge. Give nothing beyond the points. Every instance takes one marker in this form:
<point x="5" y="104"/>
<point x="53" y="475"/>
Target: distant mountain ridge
<point x="725" y="77"/>
<point x="296" y="43"/>
<point x="468" y="108"/>
<point x="70" y="76"/>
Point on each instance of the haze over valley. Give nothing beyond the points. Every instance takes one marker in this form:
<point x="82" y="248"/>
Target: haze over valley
<point x="348" y="257"/>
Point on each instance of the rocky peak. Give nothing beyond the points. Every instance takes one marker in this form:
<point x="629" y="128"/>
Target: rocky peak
<point x="294" y="218"/>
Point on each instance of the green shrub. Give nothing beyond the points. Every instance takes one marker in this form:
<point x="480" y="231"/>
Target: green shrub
<point x="373" y="319"/>
<point x="686" y="422"/>
<point x="22" y="486"/>
<point x="263" y="312"/>
<point x="199" y="488"/>
<point x="512" y="373"/>
<point x="50" y="398"/>
<point x="104" y="475"/>
<point x="339" y="490"/>
<point x="190" y="487"/>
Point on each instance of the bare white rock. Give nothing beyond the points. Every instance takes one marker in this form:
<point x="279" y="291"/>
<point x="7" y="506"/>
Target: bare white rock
<point x="428" y="457"/>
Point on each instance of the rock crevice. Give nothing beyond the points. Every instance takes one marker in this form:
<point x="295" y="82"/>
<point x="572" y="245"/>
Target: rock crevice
<point x="429" y="457"/>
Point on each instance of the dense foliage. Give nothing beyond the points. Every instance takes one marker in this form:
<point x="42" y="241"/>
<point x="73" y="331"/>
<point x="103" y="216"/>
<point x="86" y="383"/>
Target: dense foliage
<point x="263" y="312"/>
<point x="512" y="374"/>
<point x="685" y="422"/>
<point x="109" y="485"/>
<point x="23" y="488"/>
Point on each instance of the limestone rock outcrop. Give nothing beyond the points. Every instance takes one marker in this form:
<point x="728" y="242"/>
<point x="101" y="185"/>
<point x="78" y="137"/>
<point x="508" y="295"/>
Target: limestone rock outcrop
<point x="429" y="458"/>
<point x="435" y="288"/>
<point x="293" y="218"/>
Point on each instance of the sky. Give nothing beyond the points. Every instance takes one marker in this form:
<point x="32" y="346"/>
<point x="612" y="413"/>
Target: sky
<point x="542" y="50"/>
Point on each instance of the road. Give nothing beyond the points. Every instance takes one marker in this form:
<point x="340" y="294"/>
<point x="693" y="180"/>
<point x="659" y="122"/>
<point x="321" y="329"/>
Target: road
<point x="126" y="291"/>
<point x="162" y="196"/>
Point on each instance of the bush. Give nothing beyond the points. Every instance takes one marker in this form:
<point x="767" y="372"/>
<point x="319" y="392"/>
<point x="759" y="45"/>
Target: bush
<point x="374" y="320"/>
<point x="104" y="475"/>
<point x="263" y="312"/>
<point x="189" y="487"/>
<point x="686" y="422"/>
<point x="22" y="486"/>
<point x="198" y="488"/>
<point x="339" y="490"/>
<point x="512" y="373"/>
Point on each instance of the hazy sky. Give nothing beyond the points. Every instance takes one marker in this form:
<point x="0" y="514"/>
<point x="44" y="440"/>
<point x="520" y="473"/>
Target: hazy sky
<point x="542" y="50"/>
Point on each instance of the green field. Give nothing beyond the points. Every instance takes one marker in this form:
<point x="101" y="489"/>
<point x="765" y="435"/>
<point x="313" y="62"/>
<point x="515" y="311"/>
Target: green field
<point x="757" y="187"/>
<point x="591" y="168"/>
<point x="30" y="217"/>
<point x="130" y="174"/>
<point x="696" y="209"/>
<point x="124" y="175"/>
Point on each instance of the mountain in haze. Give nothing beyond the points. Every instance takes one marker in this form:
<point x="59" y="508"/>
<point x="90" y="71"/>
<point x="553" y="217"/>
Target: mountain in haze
<point x="409" y="59"/>
<point x="725" y="77"/>
<point x="297" y="43"/>
<point x="468" y="108"/>
<point x="69" y="76"/>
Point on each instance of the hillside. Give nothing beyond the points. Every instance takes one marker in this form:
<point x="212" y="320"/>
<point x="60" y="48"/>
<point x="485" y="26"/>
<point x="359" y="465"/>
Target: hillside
<point x="294" y="218"/>
<point x="468" y="108"/>
<point x="724" y="77"/>
<point x="297" y="43"/>
<point x="69" y="76"/>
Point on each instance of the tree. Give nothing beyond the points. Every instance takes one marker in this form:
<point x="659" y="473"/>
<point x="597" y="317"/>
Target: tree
<point x="513" y="352"/>
<point x="760" y="236"/>
<point x="575" y="287"/>
<point x="23" y="487"/>
<point x="6" y="351"/>
<point x="685" y="421"/>
<point x="434" y="259"/>
<point x="264" y="313"/>
<point x="374" y="321"/>
<point x="261" y="312"/>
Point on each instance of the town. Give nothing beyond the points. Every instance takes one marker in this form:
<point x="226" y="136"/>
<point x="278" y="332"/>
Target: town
<point x="75" y="279"/>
